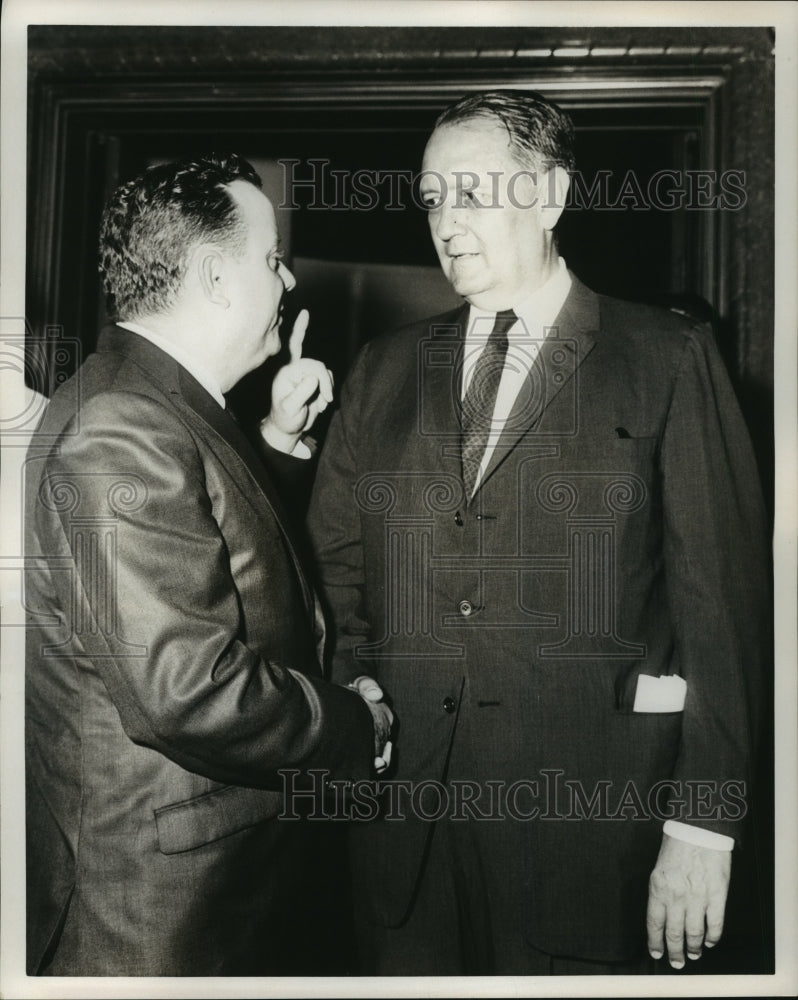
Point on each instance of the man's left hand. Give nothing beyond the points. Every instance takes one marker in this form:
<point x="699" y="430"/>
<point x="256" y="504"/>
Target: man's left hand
<point x="370" y="691"/>
<point x="686" y="899"/>
<point x="302" y="389"/>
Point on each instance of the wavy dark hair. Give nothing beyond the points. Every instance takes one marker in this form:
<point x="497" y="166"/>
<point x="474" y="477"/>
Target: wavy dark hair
<point x="540" y="132"/>
<point x="151" y="224"/>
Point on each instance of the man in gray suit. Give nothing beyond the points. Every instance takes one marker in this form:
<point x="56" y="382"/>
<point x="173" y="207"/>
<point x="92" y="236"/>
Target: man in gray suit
<point x="555" y="567"/>
<point x="174" y="642"/>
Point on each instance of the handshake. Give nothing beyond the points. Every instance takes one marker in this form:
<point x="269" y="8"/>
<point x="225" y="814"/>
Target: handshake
<point x="370" y="691"/>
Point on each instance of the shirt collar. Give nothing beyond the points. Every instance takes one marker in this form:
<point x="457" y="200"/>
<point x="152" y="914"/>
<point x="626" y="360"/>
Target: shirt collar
<point x="538" y="310"/>
<point x="202" y="375"/>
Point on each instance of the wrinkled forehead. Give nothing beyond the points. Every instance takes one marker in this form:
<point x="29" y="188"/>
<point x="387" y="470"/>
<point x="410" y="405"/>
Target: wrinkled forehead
<point x="480" y="145"/>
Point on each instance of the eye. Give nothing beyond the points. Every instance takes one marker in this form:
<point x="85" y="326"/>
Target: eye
<point x="431" y="200"/>
<point x="275" y="259"/>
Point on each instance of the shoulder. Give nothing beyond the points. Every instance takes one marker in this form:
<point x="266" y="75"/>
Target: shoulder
<point x="110" y="397"/>
<point x="386" y="367"/>
<point x="652" y="334"/>
<point x="396" y="347"/>
<point x="644" y="320"/>
<point x="597" y="312"/>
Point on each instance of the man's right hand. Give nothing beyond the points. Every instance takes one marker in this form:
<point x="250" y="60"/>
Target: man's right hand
<point x="301" y="390"/>
<point x="370" y="691"/>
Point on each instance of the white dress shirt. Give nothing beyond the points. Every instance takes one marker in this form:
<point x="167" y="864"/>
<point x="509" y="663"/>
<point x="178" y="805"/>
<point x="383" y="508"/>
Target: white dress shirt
<point x="536" y="314"/>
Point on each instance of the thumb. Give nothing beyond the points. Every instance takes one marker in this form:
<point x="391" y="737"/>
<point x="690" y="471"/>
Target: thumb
<point x="298" y="335"/>
<point x="367" y="688"/>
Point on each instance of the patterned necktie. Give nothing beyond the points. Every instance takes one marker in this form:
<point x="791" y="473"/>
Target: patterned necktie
<point x="480" y="400"/>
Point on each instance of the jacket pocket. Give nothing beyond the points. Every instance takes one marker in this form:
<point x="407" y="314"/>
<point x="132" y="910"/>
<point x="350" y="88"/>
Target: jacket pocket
<point x="183" y="826"/>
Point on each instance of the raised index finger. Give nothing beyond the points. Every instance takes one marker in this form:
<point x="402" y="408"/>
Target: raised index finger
<point x="298" y="335"/>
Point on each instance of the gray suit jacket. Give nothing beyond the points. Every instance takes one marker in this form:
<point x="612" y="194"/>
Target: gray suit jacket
<point x="172" y="669"/>
<point x="618" y="532"/>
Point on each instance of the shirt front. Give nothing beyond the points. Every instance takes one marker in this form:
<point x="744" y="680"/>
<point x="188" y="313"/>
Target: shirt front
<point x="536" y="315"/>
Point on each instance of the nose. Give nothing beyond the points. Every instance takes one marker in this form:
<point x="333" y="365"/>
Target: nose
<point x="446" y="221"/>
<point x="288" y="280"/>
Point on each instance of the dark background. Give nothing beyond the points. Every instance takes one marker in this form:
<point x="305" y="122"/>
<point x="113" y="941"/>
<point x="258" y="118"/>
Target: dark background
<point x="104" y="102"/>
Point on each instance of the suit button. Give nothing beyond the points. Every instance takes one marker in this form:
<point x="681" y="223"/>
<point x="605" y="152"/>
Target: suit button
<point x="458" y="519"/>
<point x="449" y="705"/>
<point x="465" y="608"/>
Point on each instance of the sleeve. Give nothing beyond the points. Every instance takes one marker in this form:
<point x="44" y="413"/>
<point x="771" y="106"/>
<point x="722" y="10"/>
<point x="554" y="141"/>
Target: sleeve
<point x="157" y="611"/>
<point x="292" y="473"/>
<point x="716" y="565"/>
<point x="335" y="529"/>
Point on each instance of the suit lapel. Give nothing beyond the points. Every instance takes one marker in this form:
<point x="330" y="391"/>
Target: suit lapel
<point x="424" y="406"/>
<point x="440" y="368"/>
<point x="567" y="344"/>
<point x="222" y="423"/>
<point x="185" y="391"/>
<point x="441" y="371"/>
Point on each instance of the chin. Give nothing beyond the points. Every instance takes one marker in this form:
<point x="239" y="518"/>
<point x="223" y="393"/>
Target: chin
<point x="272" y="344"/>
<point x="489" y="300"/>
<point x="470" y="286"/>
<point x="468" y="289"/>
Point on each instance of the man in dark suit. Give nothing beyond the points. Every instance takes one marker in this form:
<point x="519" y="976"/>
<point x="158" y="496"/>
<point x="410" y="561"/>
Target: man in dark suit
<point x="555" y="568"/>
<point x="174" y="641"/>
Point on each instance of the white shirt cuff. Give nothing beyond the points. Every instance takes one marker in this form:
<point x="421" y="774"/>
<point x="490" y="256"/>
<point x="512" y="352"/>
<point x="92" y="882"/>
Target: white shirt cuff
<point x="698" y="835"/>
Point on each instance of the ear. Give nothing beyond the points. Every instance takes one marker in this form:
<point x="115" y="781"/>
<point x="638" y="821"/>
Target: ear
<point x="212" y="275"/>
<point x="557" y="182"/>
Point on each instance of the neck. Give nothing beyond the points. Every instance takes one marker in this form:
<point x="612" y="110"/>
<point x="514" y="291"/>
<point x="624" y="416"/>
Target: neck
<point x="551" y="262"/>
<point x="194" y="338"/>
<point x="549" y="267"/>
<point x="492" y="301"/>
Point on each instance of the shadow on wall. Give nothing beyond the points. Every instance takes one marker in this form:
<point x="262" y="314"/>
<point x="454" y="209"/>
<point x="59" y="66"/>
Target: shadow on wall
<point x="350" y="303"/>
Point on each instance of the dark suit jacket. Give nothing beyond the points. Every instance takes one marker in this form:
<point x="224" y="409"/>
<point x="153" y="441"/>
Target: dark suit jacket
<point x="618" y="531"/>
<point x="172" y="669"/>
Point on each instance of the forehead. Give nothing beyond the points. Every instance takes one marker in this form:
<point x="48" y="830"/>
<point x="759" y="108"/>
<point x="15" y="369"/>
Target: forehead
<point x="255" y="209"/>
<point x="477" y="145"/>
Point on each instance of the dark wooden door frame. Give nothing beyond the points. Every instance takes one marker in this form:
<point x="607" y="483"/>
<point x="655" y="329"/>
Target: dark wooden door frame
<point x="80" y="128"/>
